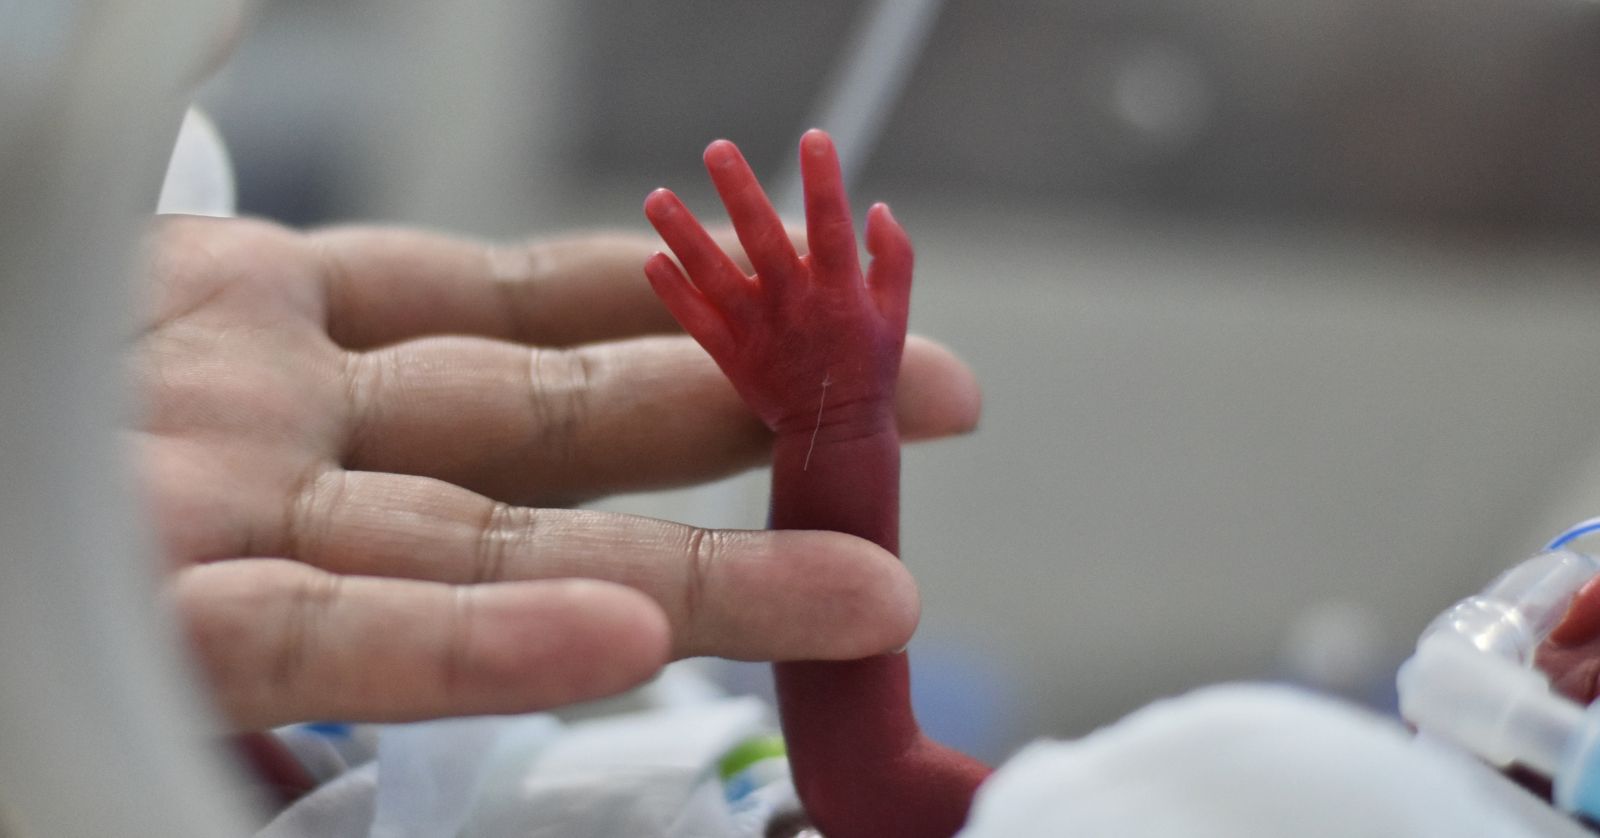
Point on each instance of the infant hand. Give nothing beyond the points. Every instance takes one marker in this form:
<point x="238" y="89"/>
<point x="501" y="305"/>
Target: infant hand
<point x="808" y="342"/>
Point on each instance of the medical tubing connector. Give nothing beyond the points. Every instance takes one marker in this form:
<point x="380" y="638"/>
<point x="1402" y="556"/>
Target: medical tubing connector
<point x="1472" y="681"/>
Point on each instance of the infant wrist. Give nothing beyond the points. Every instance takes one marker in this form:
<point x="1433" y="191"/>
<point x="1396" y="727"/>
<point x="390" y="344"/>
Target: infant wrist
<point x="840" y="423"/>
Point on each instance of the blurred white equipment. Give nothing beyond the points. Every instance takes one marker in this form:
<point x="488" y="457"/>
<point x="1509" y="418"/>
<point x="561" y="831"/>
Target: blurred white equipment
<point x="1472" y="680"/>
<point x="100" y="732"/>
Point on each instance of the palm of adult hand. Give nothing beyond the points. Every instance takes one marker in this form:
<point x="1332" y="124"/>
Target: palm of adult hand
<point x="339" y="429"/>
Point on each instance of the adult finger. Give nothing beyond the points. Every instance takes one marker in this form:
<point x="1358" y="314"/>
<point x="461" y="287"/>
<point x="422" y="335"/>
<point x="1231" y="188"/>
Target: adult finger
<point x="738" y="594"/>
<point x="374" y="286"/>
<point x="549" y="426"/>
<point x="285" y="642"/>
<point x="385" y="285"/>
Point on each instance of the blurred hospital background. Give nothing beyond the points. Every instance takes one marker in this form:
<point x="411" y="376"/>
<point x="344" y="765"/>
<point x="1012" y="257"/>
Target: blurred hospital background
<point x="1285" y="311"/>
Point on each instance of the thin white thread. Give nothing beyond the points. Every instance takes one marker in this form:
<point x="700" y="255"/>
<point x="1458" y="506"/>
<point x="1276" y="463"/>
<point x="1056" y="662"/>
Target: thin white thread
<point x="818" y="429"/>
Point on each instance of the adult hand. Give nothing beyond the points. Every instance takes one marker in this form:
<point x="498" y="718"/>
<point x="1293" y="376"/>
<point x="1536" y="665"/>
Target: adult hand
<point x="353" y="440"/>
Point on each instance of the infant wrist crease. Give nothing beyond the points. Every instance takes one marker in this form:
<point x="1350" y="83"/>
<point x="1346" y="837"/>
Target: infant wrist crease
<point x="832" y="424"/>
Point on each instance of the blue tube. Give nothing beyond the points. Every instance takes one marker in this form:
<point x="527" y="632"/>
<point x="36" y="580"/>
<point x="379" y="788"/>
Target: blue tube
<point x="1573" y="533"/>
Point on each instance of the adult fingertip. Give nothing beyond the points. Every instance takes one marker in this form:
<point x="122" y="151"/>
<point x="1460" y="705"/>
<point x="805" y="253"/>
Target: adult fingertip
<point x="903" y="607"/>
<point x="801" y="595"/>
<point x="603" y="638"/>
<point x="630" y="636"/>
<point x="939" y="394"/>
<point x="873" y="601"/>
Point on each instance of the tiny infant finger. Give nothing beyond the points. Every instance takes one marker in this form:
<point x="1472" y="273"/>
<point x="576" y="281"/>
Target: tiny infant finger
<point x="712" y="271"/>
<point x="728" y="239"/>
<point x="889" y="275"/>
<point x="688" y="306"/>
<point x="761" y="232"/>
<point x="283" y="642"/>
<point x="829" y="227"/>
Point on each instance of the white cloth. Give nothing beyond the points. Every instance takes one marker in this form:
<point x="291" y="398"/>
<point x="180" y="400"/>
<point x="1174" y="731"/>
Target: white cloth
<point x="652" y="774"/>
<point x="199" y="177"/>
<point x="1255" y="761"/>
<point x="1234" y="761"/>
<point x="340" y="808"/>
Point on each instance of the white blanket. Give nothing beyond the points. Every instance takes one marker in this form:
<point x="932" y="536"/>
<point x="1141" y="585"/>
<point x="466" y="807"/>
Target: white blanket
<point x="1255" y="761"/>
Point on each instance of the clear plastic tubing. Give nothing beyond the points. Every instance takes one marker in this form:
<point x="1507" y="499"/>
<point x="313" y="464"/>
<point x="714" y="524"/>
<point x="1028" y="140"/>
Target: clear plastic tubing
<point x="1472" y="681"/>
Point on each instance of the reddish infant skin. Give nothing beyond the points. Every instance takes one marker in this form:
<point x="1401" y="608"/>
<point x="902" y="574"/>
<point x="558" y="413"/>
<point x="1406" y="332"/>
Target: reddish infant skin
<point x="1571" y="656"/>
<point x="813" y="347"/>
